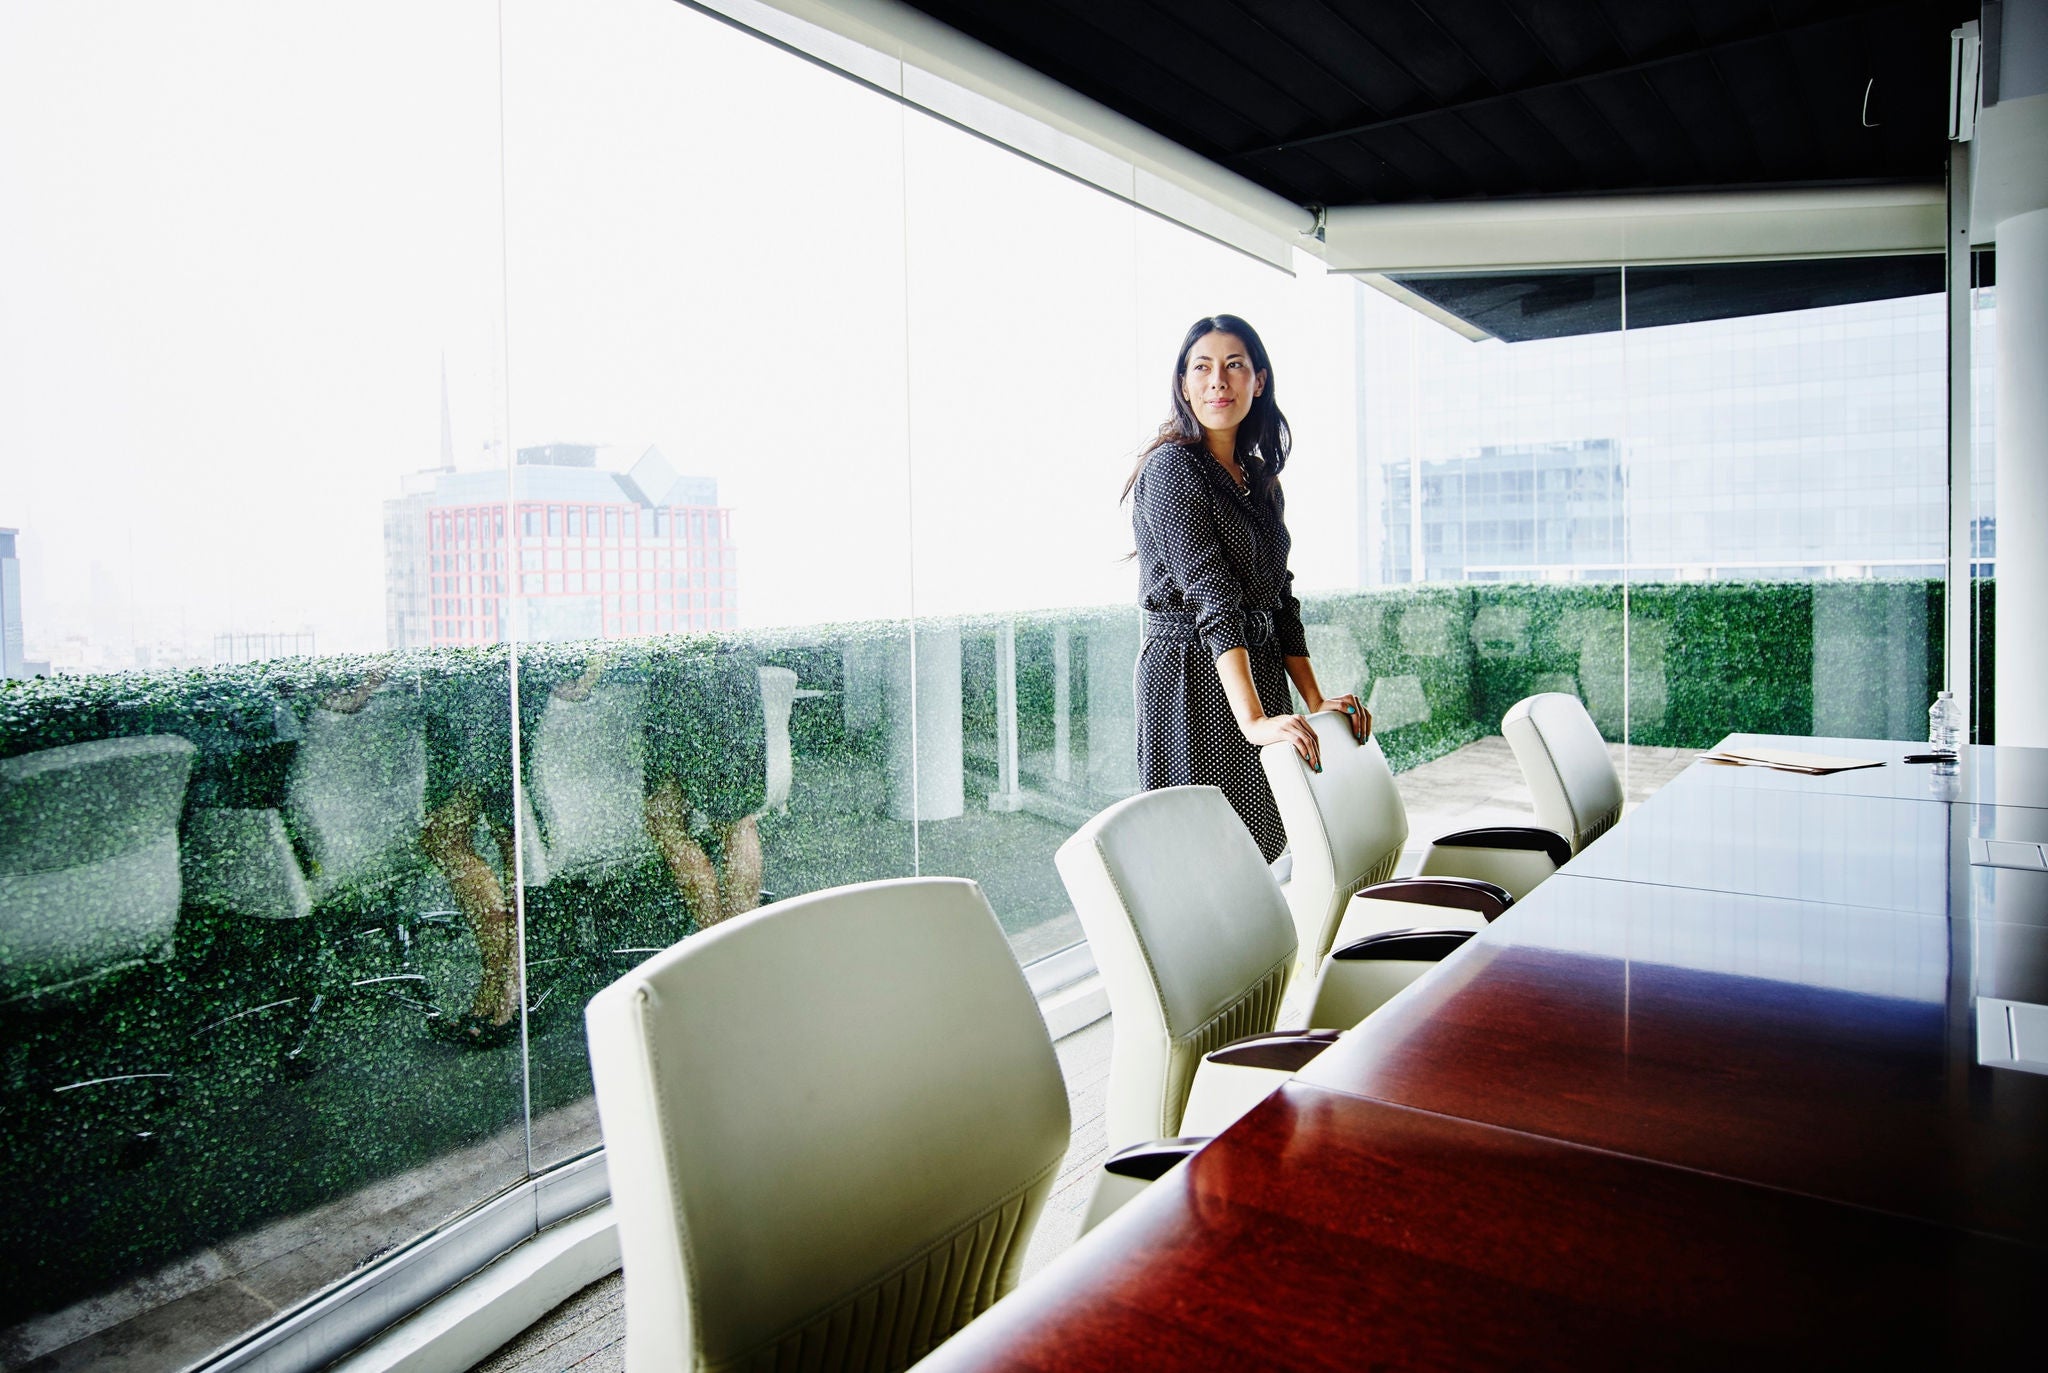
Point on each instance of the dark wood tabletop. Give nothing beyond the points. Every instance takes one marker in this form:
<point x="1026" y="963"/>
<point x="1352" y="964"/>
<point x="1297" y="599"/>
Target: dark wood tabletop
<point x="1711" y="1093"/>
<point x="1824" y="1050"/>
<point x="1326" y="1231"/>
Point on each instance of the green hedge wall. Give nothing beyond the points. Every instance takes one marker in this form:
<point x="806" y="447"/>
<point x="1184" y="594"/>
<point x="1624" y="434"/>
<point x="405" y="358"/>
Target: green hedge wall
<point x="1445" y="661"/>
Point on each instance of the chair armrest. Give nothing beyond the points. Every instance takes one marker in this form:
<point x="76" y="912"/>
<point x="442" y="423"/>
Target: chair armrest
<point x="1365" y="974"/>
<point x="1131" y="1170"/>
<point x="1460" y="893"/>
<point x="1511" y="837"/>
<point x="1286" y="1051"/>
<point x="1404" y="946"/>
<point x="1149" y="1161"/>
<point x="1238" y="1076"/>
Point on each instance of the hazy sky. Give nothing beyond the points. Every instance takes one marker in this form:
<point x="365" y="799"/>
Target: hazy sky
<point x="241" y="238"/>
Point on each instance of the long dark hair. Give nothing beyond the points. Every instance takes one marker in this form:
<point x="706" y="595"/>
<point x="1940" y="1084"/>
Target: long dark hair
<point x="1263" y="440"/>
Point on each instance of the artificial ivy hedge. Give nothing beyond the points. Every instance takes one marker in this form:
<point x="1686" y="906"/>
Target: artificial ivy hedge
<point x="1703" y="659"/>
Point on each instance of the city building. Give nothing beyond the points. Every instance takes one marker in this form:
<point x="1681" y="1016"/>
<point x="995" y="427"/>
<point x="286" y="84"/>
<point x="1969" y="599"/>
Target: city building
<point x="1807" y="440"/>
<point x="11" y="662"/>
<point x="1550" y="511"/>
<point x="591" y="553"/>
<point x="259" y="646"/>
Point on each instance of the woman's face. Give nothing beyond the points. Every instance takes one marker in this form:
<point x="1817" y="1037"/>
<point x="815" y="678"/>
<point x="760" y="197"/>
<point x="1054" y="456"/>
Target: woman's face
<point x="1219" y="382"/>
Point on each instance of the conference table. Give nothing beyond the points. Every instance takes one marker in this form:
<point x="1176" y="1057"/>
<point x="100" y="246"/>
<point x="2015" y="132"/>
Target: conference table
<point x="1734" y="1084"/>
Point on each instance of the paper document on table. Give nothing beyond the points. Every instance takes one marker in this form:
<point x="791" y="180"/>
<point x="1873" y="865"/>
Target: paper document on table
<point x="1784" y="760"/>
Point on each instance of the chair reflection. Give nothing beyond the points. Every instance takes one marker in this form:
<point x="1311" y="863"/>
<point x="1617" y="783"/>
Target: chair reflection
<point x="89" y="890"/>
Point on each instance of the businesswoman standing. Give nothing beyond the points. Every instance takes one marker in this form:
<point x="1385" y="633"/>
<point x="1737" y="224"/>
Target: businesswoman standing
<point x="1223" y="629"/>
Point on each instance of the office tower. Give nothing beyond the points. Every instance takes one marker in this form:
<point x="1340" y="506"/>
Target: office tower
<point x="599" y="554"/>
<point x="11" y="662"/>
<point x="1800" y="444"/>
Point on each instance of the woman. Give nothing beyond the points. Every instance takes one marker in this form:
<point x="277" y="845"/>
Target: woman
<point x="1222" y="626"/>
<point x="707" y="777"/>
<point x="706" y="771"/>
<point x="469" y="779"/>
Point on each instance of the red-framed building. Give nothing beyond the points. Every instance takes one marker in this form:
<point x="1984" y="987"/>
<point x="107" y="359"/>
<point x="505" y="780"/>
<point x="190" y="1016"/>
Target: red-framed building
<point x="587" y="553"/>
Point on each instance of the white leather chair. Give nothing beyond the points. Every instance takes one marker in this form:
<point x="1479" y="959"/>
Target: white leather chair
<point x="1346" y="826"/>
<point x="1195" y="947"/>
<point x="830" y="1126"/>
<point x="1565" y="762"/>
<point x="1351" y="826"/>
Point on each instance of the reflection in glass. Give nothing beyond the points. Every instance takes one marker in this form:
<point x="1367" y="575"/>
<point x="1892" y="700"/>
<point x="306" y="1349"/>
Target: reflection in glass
<point x="219" y="1089"/>
<point x="240" y="1037"/>
<point x="1787" y="480"/>
<point x="1755" y="462"/>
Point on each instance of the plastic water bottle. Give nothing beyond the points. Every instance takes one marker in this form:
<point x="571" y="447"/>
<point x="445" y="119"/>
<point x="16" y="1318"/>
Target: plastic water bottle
<point x="1945" y="725"/>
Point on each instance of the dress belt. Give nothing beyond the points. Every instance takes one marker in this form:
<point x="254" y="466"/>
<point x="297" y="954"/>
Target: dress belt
<point x="1179" y="625"/>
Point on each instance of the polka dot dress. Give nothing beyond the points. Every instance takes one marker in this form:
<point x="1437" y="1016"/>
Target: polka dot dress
<point x="1213" y="567"/>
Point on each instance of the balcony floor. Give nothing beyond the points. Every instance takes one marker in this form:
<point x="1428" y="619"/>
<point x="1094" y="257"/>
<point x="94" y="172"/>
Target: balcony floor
<point x="1481" y="785"/>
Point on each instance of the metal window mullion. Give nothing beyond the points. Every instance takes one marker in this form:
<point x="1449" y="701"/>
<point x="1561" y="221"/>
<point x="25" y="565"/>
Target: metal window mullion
<point x="1956" y="596"/>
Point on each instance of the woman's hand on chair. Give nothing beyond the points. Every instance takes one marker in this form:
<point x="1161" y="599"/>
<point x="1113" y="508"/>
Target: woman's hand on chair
<point x="1292" y="729"/>
<point x="1361" y="718"/>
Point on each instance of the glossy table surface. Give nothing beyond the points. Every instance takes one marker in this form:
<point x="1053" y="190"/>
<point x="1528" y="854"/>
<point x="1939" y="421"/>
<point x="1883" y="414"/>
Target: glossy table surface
<point x="1329" y="1231"/>
<point x="1819" y="1049"/>
<point x="1990" y="776"/>
<point x="1711" y="1092"/>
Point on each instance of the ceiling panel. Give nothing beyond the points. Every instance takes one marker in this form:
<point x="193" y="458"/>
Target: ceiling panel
<point x="1398" y="101"/>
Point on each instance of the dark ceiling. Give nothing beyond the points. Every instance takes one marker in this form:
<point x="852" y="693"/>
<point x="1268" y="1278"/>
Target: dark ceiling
<point x="1331" y="103"/>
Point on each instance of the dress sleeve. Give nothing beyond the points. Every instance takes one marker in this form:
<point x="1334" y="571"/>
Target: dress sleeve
<point x="1174" y="502"/>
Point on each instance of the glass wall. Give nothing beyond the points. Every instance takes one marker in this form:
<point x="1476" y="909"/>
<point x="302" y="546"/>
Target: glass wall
<point x="626" y="473"/>
<point x="238" y="300"/>
<point x="469" y="539"/>
<point x="1702" y="499"/>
